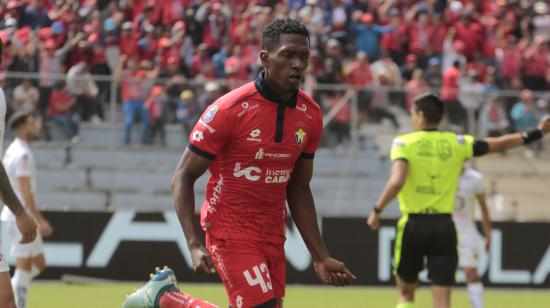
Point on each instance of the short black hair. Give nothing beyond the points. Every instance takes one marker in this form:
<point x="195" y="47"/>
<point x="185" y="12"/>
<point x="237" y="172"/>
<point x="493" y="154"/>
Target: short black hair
<point x="273" y="31"/>
<point x="431" y="106"/>
<point x="19" y="118"/>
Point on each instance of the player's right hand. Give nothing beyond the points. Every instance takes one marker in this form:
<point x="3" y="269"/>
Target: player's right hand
<point x="45" y="228"/>
<point x="544" y="124"/>
<point x="374" y="220"/>
<point x="202" y="261"/>
<point x="27" y="227"/>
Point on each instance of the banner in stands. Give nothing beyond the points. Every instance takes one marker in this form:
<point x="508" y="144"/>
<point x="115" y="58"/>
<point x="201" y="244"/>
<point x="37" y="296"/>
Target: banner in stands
<point x="125" y="245"/>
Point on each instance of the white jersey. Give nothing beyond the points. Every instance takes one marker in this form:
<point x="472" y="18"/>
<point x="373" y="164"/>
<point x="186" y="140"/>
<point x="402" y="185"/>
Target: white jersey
<point x="470" y="186"/>
<point x="19" y="162"/>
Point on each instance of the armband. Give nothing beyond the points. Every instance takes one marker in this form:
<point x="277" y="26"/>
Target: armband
<point x="532" y="135"/>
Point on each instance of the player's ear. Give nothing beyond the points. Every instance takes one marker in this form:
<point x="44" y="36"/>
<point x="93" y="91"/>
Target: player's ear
<point x="264" y="58"/>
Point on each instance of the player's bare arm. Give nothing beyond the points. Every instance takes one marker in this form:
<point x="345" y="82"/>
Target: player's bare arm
<point x="302" y="208"/>
<point x="498" y="144"/>
<point x="28" y="197"/>
<point x="485" y="221"/>
<point x="397" y="179"/>
<point x="25" y="223"/>
<point x="190" y="167"/>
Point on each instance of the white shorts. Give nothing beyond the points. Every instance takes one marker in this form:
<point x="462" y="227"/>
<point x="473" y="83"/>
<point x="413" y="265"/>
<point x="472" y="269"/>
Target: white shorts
<point x="469" y="247"/>
<point x="19" y="250"/>
<point x="4" y="267"/>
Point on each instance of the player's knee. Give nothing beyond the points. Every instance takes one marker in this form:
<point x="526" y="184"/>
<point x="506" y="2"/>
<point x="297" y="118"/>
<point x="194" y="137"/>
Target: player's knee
<point x="471" y="275"/>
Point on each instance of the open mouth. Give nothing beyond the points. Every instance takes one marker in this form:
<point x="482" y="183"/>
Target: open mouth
<point x="295" y="78"/>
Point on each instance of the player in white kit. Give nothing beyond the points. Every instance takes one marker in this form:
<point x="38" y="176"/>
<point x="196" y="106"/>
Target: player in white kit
<point x="471" y="189"/>
<point x="21" y="170"/>
<point x="24" y="222"/>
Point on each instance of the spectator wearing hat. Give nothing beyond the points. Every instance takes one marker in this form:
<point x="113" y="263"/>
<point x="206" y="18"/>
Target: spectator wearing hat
<point x="60" y="110"/>
<point x="367" y="33"/>
<point x="187" y="111"/>
<point x="134" y="84"/>
<point x="155" y="105"/>
<point x="51" y="63"/>
<point x="456" y="113"/>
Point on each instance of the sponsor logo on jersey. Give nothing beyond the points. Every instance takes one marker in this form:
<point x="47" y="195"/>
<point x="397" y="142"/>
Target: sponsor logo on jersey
<point x="277" y="176"/>
<point x="197" y="135"/>
<point x="210" y="114"/>
<point x="208" y="127"/>
<point x="246" y="108"/>
<point x="261" y="154"/>
<point x="300" y="136"/>
<point x="254" y="136"/>
<point x="302" y="107"/>
<point x="249" y="173"/>
<point x="215" y="195"/>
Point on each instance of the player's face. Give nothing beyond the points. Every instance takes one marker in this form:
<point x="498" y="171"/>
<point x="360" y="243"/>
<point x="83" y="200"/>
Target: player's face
<point x="34" y="125"/>
<point x="286" y="63"/>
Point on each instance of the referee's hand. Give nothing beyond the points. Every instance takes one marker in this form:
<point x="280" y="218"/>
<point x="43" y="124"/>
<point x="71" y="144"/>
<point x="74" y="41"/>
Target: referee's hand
<point x="374" y="221"/>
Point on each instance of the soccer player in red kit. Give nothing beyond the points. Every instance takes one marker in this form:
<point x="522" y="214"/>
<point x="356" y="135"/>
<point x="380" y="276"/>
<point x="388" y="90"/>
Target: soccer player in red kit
<point x="258" y="142"/>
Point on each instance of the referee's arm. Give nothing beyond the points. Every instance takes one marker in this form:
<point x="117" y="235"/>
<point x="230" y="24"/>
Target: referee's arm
<point x="398" y="176"/>
<point x="509" y="141"/>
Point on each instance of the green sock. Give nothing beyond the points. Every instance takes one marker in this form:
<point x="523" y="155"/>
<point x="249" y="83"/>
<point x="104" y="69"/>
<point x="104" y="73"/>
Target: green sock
<point x="405" y="305"/>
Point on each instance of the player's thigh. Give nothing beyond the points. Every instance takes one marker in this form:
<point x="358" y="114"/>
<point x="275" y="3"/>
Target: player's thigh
<point x="244" y="272"/>
<point x="409" y="249"/>
<point x="277" y="269"/>
<point x="6" y="292"/>
<point x="443" y="255"/>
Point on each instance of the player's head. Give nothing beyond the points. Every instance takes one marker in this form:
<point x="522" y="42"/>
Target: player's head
<point x="427" y="111"/>
<point x="285" y="53"/>
<point x="26" y="124"/>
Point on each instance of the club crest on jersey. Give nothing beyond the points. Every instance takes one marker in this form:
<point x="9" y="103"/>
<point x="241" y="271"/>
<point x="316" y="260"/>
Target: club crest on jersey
<point x="210" y="114"/>
<point x="300" y="136"/>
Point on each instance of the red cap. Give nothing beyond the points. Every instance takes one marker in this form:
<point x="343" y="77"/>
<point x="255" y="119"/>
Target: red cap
<point x="366" y="18"/>
<point x="172" y="60"/>
<point x="157" y="90"/>
<point x="4" y="37"/>
<point x="23" y="34"/>
<point x="164" y="42"/>
<point x="94" y="37"/>
<point x="45" y="33"/>
<point x="526" y="95"/>
<point x="410" y="58"/>
<point x="216" y="5"/>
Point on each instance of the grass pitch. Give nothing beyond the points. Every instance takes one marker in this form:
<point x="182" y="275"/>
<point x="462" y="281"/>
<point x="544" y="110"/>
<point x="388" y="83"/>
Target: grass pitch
<point x="57" y="295"/>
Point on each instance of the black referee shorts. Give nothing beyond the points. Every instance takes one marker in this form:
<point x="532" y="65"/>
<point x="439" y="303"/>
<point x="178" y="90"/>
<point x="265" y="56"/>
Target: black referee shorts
<point x="426" y="235"/>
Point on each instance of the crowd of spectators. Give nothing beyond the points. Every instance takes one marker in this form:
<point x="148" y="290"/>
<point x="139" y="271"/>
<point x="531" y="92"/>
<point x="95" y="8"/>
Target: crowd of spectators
<point x="162" y="50"/>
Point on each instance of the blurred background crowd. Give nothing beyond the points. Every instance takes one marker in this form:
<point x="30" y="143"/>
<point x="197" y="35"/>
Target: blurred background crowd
<point x="171" y="58"/>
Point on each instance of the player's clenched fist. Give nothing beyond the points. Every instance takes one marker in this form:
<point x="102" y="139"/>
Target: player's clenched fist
<point x="333" y="272"/>
<point x="202" y="262"/>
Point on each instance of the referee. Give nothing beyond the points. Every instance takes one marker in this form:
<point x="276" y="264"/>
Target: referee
<point x="424" y="176"/>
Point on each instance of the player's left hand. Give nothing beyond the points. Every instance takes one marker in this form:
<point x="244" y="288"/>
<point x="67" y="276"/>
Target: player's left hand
<point x="333" y="272"/>
<point x="374" y="221"/>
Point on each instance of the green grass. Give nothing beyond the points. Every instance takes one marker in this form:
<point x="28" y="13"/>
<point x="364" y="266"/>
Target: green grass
<point x="53" y="295"/>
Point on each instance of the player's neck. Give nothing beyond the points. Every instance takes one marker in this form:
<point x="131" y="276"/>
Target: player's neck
<point x="282" y="94"/>
<point x="23" y="136"/>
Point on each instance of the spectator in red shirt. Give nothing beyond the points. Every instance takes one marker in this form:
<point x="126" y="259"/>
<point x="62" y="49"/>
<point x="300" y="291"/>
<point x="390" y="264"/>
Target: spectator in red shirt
<point x="127" y="41"/>
<point x="60" y="110"/>
<point x="509" y="60"/>
<point x="394" y="41"/>
<point x="420" y="34"/>
<point x="535" y="64"/>
<point x="236" y="68"/>
<point x="155" y="105"/>
<point x="456" y="112"/>
<point x="415" y="86"/>
<point x="359" y="74"/>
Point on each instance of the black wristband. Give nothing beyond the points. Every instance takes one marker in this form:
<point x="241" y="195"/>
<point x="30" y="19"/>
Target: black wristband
<point x="532" y="135"/>
<point x="377" y="210"/>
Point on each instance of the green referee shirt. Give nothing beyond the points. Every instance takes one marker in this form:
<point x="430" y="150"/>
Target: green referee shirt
<point x="435" y="160"/>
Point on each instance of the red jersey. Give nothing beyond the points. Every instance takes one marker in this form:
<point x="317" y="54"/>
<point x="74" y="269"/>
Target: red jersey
<point x="253" y="140"/>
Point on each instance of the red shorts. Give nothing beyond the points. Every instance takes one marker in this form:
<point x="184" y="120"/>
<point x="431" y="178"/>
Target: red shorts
<point x="252" y="273"/>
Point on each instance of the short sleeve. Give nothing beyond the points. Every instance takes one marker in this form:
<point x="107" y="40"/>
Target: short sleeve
<point x="312" y="143"/>
<point x="23" y="167"/>
<point x="466" y="142"/>
<point x="480" y="185"/>
<point x="398" y="149"/>
<point x="210" y="133"/>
